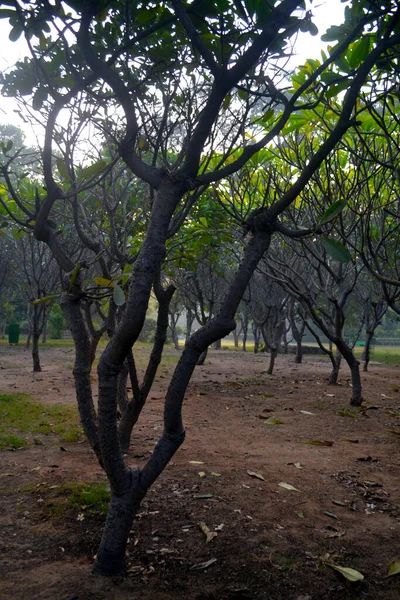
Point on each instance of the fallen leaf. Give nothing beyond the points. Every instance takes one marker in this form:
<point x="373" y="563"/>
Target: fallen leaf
<point x="307" y="412"/>
<point x="210" y="535"/>
<point x="301" y="514"/>
<point x="332" y="532"/>
<point x="196" y="462"/>
<point x="135" y="569"/>
<point x="350" y="574"/>
<point x="347" y="412"/>
<point x="272" y="421"/>
<point x="6" y="474"/>
<point x="393" y="431"/>
<point x="216" y="474"/>
<point x="318" y="443"/>
<point x="330" y="514"/>
<point x="349" y="440"/>
<point x="367" y="459"/>
<point x="394" y="569"/>
<point x="339" y="503"/>
<point x="330" y="395"/>
<point x="203" y="496"/>
<point x="36" y="469"/>
<point x="296" y="464"/>
<point x="203" y="565"/>
<point x="257" y="475"/>
<point x="202" y="474"/>
<point x="386" y="397"/>
<point x="289" y="487"/>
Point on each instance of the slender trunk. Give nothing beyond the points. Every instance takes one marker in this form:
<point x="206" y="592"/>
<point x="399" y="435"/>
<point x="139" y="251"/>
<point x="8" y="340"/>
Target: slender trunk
<point x="356" y="391"/>
<point x="274" y="352"/>
<point x="35" y="354"/>
<point x="367" y="350"/>
<point x="127" y="494"/>
<point x="133" y="408"/>
<point x="44" y="336"/>
<point x="189" y="324"/>
<point x="244" y="341"/>
<point x="82" y="369"/>
<point x="217" y="345"/>
<point x="35" y="340"/>
<point x="298" y="359"/>
<point x="257" y="337"/>
<point x="28" y="339"/>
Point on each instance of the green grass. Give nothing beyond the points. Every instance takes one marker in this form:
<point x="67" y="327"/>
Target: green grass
<point x="21" y="418"/>
<point x="90" y="499"/>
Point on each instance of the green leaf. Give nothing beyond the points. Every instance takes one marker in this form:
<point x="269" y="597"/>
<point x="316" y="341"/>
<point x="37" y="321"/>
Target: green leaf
<point x="101" y="281"/>
<point x="336" y="250"/>
<point x="118" y="295"/>
<point x="44" y="299"/>
<point x="62" y="168"/>
<point x="272" y="421"/>
<point x="336" y="89"/>
<point x="93" y="169"/>
<point x="347" y="572"/>
<point x="15" y="33"/>
<point x="359" y="51"/>
<point x="394" y="569"/>
<point x="333" y="210"/>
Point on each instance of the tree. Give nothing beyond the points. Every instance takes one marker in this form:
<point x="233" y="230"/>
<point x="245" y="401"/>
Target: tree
<point x="177" y="80"/>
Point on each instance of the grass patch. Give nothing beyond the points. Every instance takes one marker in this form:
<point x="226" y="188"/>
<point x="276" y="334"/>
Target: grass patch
<point x="88" y="499"/>
<point x="20" y="415"/>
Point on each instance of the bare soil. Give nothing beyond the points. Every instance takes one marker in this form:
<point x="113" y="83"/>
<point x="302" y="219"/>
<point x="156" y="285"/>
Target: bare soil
<point x="272" y="542"/>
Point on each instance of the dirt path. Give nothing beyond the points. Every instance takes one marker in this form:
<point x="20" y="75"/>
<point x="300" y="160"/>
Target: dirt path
<point x="272" y="542"/>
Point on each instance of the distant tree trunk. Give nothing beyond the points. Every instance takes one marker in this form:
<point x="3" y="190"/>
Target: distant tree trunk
<point x="44" y="334"/>
<point x="367" y="350"/>
<point x="236" y="334"/>
<point x="202" y="357"/>
<point x="35" y="338"/>
<point x="173" y="320"/>
<point x="276" y="343"/>
<point x="189" y="324"/>
<point x="217" y="345"/>
<point x="257" y="336"/>
<point x="244" y="340"/>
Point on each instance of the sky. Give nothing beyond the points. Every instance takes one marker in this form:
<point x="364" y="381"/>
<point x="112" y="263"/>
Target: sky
<point x="325" y="13"/>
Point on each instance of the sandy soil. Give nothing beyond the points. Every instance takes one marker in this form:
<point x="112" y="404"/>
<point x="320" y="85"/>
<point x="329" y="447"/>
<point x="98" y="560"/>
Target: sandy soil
<point x="271" y="542"/>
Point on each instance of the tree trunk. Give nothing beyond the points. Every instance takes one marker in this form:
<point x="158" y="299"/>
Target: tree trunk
<point x="298" y="359"/>
<point x="189" y="324"/>
<point x="345" y="351"/>
<point x="274" y="352"/>
<point x="28" y="339"/>
<point x="217" y="345"/>
<point x="110" y="559"/>
<point x="44" y="336"/>
<point x="367" y="350"/>
<point x="35" y="340"/>
<point x="244" y="341"/>
<point x="35" y="354"/>
<point x="202" y="357"/>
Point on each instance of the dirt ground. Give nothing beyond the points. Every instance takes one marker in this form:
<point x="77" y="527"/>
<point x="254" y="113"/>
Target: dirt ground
<point x="271" y="542"/>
